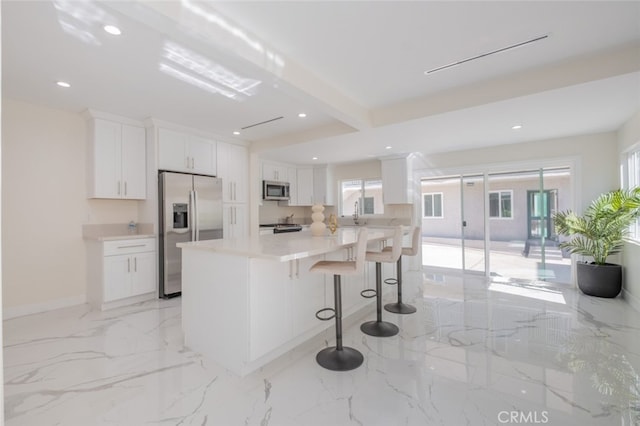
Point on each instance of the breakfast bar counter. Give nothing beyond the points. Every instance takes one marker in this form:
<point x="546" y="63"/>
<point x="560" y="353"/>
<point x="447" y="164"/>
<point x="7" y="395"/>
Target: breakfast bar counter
<point x="247" y="301"/>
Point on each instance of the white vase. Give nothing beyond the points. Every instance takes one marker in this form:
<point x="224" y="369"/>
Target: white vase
<point x="317" y="226"/>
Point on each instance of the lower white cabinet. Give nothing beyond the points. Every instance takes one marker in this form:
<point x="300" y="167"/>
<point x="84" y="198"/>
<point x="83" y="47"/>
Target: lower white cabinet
<point x="122" y="271"/>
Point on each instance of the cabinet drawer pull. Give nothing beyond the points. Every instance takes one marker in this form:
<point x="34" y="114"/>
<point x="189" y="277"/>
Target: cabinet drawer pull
<point x="132" y="246"/>
<point x="129" y="265"/>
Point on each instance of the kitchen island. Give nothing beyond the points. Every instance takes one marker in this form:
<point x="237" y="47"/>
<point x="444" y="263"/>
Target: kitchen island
<point x="247" y="301"/>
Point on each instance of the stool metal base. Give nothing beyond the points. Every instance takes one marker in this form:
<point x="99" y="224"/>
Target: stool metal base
<point x="379" y="328"/>
<point x="339" y="360"/>
<point x="400" y="308"/>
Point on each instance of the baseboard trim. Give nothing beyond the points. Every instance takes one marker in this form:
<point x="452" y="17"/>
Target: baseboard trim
<point x="634" y="301"/>
<point x="36" y="308"/>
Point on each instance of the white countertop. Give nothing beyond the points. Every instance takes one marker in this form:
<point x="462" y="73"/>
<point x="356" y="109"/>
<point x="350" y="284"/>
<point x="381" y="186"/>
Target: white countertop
<point x="116" y="232"/>
<point x="287" y="246"/>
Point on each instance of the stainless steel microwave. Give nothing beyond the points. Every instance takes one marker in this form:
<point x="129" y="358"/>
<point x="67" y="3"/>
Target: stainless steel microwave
<point x="275" y="190"/>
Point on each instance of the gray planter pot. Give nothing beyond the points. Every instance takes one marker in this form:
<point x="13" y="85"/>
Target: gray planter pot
<point x="600" y="280"/>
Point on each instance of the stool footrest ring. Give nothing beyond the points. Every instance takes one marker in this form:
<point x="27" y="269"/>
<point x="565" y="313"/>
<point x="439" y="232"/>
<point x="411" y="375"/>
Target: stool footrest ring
<point x="391" y="281"/>
<point x="326" y="310"/>
<point x="369" y="293"/>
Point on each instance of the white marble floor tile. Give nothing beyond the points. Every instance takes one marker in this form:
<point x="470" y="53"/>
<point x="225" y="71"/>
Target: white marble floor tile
<point x="476" y="353"/>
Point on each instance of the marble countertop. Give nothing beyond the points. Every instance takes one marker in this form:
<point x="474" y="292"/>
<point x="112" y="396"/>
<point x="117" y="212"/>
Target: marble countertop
<point x="287" y="246"/>
<point x="116" y="232"/>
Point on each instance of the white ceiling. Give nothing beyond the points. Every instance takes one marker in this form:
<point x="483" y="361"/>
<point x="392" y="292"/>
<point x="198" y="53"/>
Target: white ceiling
<point x="356" y="68"/>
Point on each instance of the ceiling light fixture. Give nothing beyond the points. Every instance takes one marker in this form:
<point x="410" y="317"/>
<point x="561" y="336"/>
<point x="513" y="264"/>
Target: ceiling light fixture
<point x="517" y="127"/>
<point x="388" y="147"/>
<point x="493" y="52"/>
<point x="302" y="115"/>
<point x="63" y="84"/>
<point x="314" y="158"/>
<point x="236" y="133"/>
<point x="112" y="29"/>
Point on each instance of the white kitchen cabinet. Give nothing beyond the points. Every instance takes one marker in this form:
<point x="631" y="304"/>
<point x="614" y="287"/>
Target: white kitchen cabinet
<point x="323" y="186"/>
<point x="269" y="306"/>
<point x="122" y="271"/>
<point x="233" y="168"/>
<point x="117" y="160"/>
<point x="274" y="172"/>
<point x="234" y="217"/>
<point x="183" y="152"/>
<point x="292" y="174"/>
<point x="397" y="181"/>
<point x="304" y="186"/>
<point x="308" y="293"/>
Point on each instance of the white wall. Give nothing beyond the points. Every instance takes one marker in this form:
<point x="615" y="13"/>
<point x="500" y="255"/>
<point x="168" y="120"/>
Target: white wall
<point x="628" y="135"/>
<point x="44" y="206"/>
<point x="597" y="155"/>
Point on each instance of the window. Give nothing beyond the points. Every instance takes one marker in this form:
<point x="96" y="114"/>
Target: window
<point x="432" y="204"/>
<point x="632" y="181"/>
<point x="365" y="195"/>
<point x="500" y="204"/>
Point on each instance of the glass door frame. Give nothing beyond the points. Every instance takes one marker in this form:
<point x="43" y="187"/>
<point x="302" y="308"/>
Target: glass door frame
<point x="572" y="163"/>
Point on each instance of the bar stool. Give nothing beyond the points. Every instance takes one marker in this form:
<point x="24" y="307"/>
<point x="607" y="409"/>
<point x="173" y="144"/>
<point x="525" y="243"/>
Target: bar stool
<point x="340" y="358"/>
<point x="378" y="327"/>
<point x="399" y="307"/>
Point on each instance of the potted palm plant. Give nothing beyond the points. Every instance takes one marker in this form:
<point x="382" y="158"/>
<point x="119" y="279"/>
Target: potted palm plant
<point x="599" y="233"/>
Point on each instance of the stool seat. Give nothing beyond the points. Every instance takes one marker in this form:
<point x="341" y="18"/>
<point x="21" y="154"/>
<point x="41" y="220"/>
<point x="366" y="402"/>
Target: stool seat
<point x="338" y="357"/>
<point x="378" y="327"/>
<point x="399" y="307"/>
<point x="335" y="267"/>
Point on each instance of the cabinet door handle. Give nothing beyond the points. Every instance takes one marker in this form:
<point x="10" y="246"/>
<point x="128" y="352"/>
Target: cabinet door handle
<point x="135" y="264"/>
<point x="128" y="264"/>
<point x="131" y="246"/>
<point x="125" y="187"/>
<point x="235" y="191"/>
<point x="193" y="163"/>
<point x="118" y="187"/>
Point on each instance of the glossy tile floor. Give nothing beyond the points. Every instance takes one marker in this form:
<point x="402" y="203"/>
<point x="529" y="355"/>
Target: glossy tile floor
<point x="475" y="353"/>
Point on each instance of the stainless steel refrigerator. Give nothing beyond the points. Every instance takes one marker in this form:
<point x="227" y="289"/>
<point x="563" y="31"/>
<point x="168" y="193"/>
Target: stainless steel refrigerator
<point x="190" y="210"/>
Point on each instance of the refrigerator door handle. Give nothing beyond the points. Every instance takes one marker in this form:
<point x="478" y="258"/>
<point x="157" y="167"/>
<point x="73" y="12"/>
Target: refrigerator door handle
<point x="192" y="218"/>
<point x="196" y="216"/>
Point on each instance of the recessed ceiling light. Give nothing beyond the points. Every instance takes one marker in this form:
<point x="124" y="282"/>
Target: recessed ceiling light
<point x="63" y="84"/>
<point x="517" y="127"/>
<point x="314" y="158"/>
<point x="388" y="147"/>
<point x="112" y="29"/>
<point x="236" y="133"/>
<point x="302" y="115"/>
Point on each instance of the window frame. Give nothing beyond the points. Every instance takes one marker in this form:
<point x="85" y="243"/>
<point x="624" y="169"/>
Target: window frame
<point x="424" y="216"/>
<point x="631" y="179"/>
<point x="363" y="195"/>
<point x="499" y="192"/>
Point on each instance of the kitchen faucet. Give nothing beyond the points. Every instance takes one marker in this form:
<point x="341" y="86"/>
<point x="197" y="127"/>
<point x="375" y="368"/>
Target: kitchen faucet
<point x="355" y="212"/>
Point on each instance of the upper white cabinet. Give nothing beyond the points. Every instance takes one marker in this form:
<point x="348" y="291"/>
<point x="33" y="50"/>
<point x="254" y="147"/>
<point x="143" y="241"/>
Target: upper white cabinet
<point x="304" y="186"/>
<point x="233" y="168"/>
<point x="397" y="181"/>
<point x="292" y="174"/>
<point x="117" y="160"/>
<point x="275" y="172"/>
<point x="323" y="186"/>
<point x="183" y="152"/>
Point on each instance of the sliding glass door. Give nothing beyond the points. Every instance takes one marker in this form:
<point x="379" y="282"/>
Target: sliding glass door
<point x="522" y="238"/>
<point x="453" y="232"/>
<point x="499" y="223"/>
